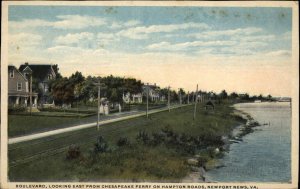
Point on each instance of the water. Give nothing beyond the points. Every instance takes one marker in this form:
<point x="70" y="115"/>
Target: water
<point x="265" y="154"/>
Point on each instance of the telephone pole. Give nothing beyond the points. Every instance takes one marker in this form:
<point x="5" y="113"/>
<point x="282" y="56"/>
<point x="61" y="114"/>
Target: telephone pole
<point x="147" y="99"/>
<point x="195" y="109"/>
<point x="30" y="97"/>
<point x="169" y="98"/>
<point x="188" y="100"/>
<point x="98" y="99"/>
<point x="99" y="94"/>
<point x="179" y="91"/>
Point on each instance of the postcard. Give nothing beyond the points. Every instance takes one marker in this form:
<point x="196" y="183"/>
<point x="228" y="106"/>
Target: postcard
<point x="162" y="94"/>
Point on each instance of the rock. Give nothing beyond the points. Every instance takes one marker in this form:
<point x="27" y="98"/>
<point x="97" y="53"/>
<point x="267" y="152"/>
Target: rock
<point x="217" y="151"/>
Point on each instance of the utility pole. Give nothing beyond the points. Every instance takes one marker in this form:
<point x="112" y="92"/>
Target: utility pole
<point x="180" y="102"/>
<point x="147" y="99"/>
<point x="30" y="97"/>
<point x="98" y="107"/>
<point x="195" y="104"/>
<point x="99" y="94"/>
<point x="188" y="100"/>
<point x="169" y="98"/>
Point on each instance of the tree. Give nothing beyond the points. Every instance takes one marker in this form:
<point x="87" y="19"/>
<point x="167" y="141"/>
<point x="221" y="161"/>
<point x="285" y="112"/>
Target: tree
<point x="114" y="95"/>
<point x="233" y="95"/>
<point x="269" y="97"/>
<point x="76" y="78"/>
<point x="62" y="91"/>
<point x="55" y="68"/>
<point x="223" y="94"/>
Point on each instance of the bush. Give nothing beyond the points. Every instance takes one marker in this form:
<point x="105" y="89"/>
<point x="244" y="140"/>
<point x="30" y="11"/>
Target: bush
<point x="16" y="109"/>
<point x="143" y="137"/>
<point x="73" y="152"/>
<point x="101" y="145"/>
<point x="123" y="141"/>
<point x="158" y="138"/>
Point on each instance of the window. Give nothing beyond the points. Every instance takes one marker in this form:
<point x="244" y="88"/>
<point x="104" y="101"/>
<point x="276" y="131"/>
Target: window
<point x="11" y="73"/>
<point x="19" y="86"/>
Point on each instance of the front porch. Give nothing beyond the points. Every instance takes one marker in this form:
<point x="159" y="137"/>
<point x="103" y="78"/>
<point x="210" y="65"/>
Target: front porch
<point x="22" y="100"/>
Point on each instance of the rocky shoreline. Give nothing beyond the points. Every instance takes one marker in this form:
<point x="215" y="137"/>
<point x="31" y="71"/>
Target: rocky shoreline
<point x="198" y="171"/>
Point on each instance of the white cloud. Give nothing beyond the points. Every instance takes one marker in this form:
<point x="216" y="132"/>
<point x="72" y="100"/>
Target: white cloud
<point x="141" y="32"/>
<point x="77" y="22"/>
<point x="74" y="38"/>
<point x="24" y="39"/>
<point x="182" y="46"/>
<point x="106" y="38"/>
<point x="256" y="38"/>
<point x="281" y="53"/>
<point x="63" y="22"/>
<point x="28" y="23"/>
<point x="232" y="33"/>
<point x="131" y="23"/>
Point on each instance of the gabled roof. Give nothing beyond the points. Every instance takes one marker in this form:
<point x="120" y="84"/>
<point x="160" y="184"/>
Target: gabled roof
<point x="13" y="67"/>
<point x="39" y="71"/>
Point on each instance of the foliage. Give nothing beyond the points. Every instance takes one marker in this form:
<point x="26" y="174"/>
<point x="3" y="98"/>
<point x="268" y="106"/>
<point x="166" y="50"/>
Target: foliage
<point x="100" y="146"/>
<point x="123" y="141"/>
<point x="73" y="152"/>
<point x="16" y="109"/>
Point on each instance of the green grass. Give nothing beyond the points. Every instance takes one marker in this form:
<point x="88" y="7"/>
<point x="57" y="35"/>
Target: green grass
<point x="137" y="162"/>
<point x="19" y="125"/>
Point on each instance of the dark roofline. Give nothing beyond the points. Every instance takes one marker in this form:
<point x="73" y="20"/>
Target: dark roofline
<point x="26" y="64"/>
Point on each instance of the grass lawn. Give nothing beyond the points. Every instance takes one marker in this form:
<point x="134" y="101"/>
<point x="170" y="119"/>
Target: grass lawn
<point x="19" y="125"/>
<point x="45" y="159"/>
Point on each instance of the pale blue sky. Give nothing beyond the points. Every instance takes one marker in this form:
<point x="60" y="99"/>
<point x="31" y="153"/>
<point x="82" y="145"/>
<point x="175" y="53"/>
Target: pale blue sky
<point x="117" y="40"/>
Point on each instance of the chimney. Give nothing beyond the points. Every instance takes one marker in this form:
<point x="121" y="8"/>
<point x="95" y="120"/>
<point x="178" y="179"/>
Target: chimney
<point x="26" y="63"/>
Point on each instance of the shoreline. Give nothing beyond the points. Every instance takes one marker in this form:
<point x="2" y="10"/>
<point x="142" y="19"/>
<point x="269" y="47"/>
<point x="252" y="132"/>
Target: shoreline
<point x="197" y="174"/>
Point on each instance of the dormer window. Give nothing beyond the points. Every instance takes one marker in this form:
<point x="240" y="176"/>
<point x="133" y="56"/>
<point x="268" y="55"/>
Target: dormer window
<point x="11" y="73"/>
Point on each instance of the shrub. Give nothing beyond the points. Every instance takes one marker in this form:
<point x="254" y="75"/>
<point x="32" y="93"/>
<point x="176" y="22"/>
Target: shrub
<point x="73" y="152"/>
<point x="144" y="137"/>
<point x="158" y="138"/>
<point x="123" y="141"/>
<point x="168" y="131"/>
<point x="16" y="109"/>
<point x="100" y="146"/>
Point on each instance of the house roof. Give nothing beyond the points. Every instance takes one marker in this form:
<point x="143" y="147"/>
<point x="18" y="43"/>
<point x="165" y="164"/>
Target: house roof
<point x="209" y="103"/>
<point x="39" y="71"/>
<point x="13" y="67"/>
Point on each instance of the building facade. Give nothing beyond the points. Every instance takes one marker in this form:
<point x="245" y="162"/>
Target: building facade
<point x="42" y="74"/>
<point x="18" y="89"/>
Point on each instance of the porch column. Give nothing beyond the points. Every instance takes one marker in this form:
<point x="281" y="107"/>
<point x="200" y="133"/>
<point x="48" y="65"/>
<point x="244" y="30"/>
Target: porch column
<point x="17" y="100"/>
<point x="35" y="101"/>
<point x="25" y="101"/>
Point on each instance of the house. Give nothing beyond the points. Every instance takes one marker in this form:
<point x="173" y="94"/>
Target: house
<point x="18" y="89"/>
<point x="154" y="93"/>
<point x="209" y="105"/>
<point x="134" y="98"/>
<point x="41" y="75"/>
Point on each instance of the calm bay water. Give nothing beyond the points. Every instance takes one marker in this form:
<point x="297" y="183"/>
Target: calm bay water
<point x="265" y="154"/>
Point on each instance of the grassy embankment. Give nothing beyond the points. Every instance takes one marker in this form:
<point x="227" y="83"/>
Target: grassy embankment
<point x="165" y="142"/>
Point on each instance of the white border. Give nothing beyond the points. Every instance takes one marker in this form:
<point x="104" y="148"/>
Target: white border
<point x="295" y="84"/>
